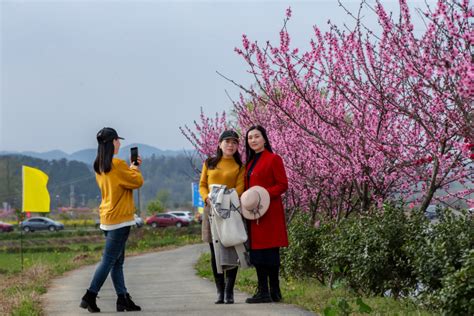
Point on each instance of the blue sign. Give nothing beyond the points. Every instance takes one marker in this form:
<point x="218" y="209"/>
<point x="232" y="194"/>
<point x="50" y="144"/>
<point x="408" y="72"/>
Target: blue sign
<point x="197" y="200"/>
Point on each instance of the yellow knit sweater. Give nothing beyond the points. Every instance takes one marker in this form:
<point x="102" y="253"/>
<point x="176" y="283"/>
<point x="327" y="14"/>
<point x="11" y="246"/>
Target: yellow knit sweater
<point x="117" y="187"/>
<point x="226" y="172"/>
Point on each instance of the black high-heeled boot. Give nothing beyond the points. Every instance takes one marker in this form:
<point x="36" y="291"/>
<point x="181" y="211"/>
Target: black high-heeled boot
<point x="125" y="303"/>
<point x="220" y="286"/>
<point x="218" y="278"/>
<point x="262" y="295"/>
<point x="88" y="302"/>
<point x="231" y="275"/>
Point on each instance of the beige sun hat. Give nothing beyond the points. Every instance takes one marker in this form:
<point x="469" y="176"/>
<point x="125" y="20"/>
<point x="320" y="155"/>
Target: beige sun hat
<point x="254" y="202"/>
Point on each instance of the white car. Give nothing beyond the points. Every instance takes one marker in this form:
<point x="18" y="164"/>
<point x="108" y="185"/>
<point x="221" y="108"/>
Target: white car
<point x="186" y="215"/>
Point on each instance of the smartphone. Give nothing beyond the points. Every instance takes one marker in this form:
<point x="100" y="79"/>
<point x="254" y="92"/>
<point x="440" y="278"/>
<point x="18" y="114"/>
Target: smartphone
<point x="134" y="155"/>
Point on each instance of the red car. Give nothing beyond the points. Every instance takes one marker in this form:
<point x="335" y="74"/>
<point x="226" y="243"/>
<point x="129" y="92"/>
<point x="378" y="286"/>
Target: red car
<point x="164" y="220"/>
<point x="4" y="227"/>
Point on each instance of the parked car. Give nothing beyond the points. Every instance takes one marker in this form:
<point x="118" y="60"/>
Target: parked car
<point x="164" y="220"/>
<point x="41" y="223"/>
<point x="430" y="212"/>
<point x="183" y="215"/>
<point x="4" y="227"/>
<point x="138" y="221"/>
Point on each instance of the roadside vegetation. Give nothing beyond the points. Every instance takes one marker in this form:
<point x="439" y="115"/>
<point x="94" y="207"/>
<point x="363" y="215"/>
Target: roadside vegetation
<point x="48" y="255"/>
<point x="388" y="263"/>
<point x="310" y="294"/>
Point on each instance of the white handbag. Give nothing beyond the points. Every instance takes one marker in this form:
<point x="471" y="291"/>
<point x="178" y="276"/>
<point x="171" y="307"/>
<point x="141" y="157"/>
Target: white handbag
<point x="231" y="229"/>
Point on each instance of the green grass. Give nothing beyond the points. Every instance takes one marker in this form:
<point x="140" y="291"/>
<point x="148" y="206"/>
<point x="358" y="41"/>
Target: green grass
<point x="313" y="296"/>
<point x="10" y="263"/>
<point x="15" y="235"/>
<point x="20" y="291"/>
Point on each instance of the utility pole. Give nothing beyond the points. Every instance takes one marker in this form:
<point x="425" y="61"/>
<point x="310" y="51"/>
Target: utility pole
<point x="83" y="201"/>
<point x="72" y="200"/>
<point x="8" y="180"/>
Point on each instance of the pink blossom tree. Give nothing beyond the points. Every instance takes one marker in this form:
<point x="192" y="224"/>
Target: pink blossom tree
<point x="386" y="112"/>
<point x="362" y="118"/>
<point x="206" y="137"/>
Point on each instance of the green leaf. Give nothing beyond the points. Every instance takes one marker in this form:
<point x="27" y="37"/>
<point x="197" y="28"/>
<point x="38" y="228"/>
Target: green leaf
<point x="330" y="311"/>
<point x="343" y="305"/>
<point x="363" y="308"/>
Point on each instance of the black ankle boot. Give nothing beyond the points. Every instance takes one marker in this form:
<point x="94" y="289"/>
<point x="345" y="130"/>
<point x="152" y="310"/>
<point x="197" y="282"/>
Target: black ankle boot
<point x="220" y="285"/>
<point x="89" y="301"/>
<point x="275" y="294"/>
<point x="262" y="296"/>
<point x="125" y="303"/>
<point x="229" y="285"/>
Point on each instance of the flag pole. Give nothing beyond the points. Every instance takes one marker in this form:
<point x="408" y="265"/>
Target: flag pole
<point x="21" y="247"/>
<point x="19" y="216"/>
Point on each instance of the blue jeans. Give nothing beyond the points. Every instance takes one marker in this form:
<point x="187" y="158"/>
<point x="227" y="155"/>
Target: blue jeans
<point x="112" y="261"/>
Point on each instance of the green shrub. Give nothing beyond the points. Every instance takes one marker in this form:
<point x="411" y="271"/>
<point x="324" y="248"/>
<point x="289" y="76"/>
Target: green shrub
<point x="389" y="253"/>
<point x="303" y="258"/>
<point x="437" y="253"/>
<point x="369" y="254"/>
<point x="457" y="294"/>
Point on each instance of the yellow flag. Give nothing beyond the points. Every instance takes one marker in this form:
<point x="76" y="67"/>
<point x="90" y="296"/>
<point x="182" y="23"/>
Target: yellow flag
<point x="35" y="191"/>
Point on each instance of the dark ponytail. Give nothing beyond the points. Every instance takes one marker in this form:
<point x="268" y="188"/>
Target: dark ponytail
<point x="103" y="161"/>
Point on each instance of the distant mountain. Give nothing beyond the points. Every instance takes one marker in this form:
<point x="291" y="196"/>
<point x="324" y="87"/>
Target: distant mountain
<point x="69" y="181"/>
<point x="73" y="182"/>
<point x="49" y="155"/>
<point x="88" y="155"/>
<point x="146" y="151"/>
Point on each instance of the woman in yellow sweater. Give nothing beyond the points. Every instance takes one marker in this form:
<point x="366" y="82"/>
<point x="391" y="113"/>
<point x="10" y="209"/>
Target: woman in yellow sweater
<point x="225" y="168"/>
<point x="116" y="182"/>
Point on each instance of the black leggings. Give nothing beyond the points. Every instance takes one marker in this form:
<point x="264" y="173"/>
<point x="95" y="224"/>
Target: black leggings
<point x="268" y="274"/>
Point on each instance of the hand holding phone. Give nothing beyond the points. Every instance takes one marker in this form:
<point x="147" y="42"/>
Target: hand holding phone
<point x="134" y="155"/>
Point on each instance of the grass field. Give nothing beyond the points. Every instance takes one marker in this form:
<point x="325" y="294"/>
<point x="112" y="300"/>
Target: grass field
<point x="20" y="291"/>
<point x="10" y="263"/>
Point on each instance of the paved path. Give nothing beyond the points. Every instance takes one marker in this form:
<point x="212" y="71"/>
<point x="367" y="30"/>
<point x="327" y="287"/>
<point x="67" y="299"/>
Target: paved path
<point x="162" y="283"/>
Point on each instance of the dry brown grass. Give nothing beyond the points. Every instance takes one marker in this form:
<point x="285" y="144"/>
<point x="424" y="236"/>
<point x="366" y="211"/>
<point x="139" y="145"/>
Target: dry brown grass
<point x="19" y="288"/>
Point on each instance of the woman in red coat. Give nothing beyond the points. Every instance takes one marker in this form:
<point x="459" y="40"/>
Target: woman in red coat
<point x="268" y="233"/>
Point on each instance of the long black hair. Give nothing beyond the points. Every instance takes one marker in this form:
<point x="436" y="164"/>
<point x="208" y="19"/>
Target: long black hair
<point x="249" y="152"/>
<point x="103" y="161"/>
<point x="212" y="162"/>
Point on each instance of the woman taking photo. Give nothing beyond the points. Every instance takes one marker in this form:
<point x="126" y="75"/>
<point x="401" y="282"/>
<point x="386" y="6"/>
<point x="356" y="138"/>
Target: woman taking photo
<point x="267" y="233"/>
<point x="226" y="168"/>
<point x="116" y="181"/>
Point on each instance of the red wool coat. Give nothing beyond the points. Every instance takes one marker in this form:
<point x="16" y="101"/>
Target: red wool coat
<point x="270" y="229"/>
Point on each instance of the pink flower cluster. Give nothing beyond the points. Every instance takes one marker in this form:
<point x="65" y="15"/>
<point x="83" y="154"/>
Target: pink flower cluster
<point x="206" y="137"/>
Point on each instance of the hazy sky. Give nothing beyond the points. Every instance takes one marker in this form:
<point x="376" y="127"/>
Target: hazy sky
<point x="69" y="68"/>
